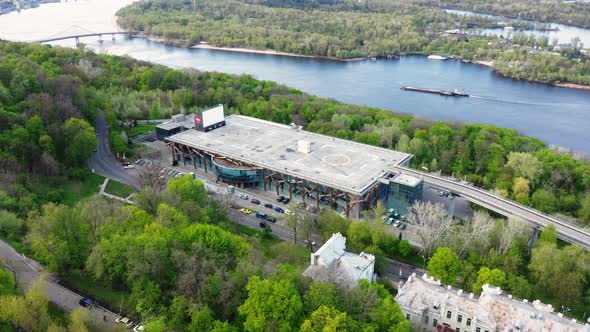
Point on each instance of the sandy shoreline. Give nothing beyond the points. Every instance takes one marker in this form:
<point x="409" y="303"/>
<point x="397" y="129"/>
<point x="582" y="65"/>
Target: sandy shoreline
<point x="272" y="52"/>
<point x="573" y="86"/>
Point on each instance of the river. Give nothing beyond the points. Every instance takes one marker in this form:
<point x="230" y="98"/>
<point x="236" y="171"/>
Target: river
<point x="555" y="115"/>
<point x="564" y="35"/>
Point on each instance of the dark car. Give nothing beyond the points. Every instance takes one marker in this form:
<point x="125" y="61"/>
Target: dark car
<point x="261" y="215"/>
<point x="279" y="209"/>
<point x="271" y="218"/>
<point x="403" y="226"/>
<point x="281" y="199"/>
<point x="255" y="201"/>
<point x="86" y="302"/>
<point x="286" y="200"/>
<point x="268" y="206"/>
<point x="262" y="224"/>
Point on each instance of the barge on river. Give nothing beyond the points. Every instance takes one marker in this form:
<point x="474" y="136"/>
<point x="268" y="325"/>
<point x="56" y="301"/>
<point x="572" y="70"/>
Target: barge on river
<point x="454" y="93"/>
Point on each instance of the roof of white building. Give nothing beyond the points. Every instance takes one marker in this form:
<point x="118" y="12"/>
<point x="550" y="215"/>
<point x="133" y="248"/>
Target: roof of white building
<point x="492" y="308"/>
<point x="335" y="264"/>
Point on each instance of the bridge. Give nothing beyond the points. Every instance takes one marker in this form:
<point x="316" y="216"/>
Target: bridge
<point x="503" y="206"/>
<point x="81" y="33"/>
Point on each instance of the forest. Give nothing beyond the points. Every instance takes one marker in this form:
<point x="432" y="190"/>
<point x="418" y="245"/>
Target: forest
<point x="350" y="30"/>
<point x="49" y="97"/>
<point x="566" y="12"/>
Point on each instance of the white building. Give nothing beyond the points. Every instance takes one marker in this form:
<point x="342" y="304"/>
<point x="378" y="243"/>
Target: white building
<point x="431" y="306"/>
<point x="332" y="263"/>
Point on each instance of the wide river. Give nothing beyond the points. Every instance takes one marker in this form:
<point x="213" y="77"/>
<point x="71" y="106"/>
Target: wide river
<point x="555" y="115"/>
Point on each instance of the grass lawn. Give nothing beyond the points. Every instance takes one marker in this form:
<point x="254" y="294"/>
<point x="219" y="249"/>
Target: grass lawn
<point x="118" y="189"/>
<point x="76" y="191"/>
<point x="140" y="130"/>
<point x="104" y="294"/>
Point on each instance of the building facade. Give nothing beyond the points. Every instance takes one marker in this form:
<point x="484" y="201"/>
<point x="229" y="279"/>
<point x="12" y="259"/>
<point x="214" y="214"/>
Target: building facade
<point x="431" y="306"/>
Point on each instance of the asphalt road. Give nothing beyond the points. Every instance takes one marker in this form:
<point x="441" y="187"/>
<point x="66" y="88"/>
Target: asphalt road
<point x="27" y="271"/>
<point x="103" y="162"/>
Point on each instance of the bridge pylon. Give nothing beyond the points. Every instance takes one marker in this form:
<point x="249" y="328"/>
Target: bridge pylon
<point x="100" y="39"/>
<point x="77" y="41"/>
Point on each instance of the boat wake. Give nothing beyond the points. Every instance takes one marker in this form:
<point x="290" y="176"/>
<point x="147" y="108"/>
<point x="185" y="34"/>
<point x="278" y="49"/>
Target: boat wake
<point x="519" y="102"/>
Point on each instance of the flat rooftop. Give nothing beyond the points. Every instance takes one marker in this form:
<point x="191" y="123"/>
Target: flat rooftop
<point x="188" y="122"/>
<point x="407" y="180"/>
<point x="338" y="163"/>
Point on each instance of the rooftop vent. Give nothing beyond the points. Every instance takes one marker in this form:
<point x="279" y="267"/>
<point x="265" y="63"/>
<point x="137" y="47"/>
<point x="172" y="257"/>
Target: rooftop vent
<point x="304" y="146"/>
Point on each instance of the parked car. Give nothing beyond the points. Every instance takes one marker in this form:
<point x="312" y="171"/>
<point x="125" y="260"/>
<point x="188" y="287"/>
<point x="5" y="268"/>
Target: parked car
<point x="261" y="215"/>
<point x="286" y="200"/>
<point x="403" y="226"/>
<point x="397" y="223"/>
<point x="396" y="216"/>
<point x="244" y="196"/>
<point x="138" y="328"/>
<point x="313" y="244"/>
<point x="262" y="224"/>
<point x="128" y="166"/>
<point x="245" y="211"/>
<point x="279" y="209"/>
<point x="404" y="218"/>
<point x="390" y="211"/>
<point x="281" y="199"/>
<point x="389" y="221"/>
<point x="125" y="321"/>
<point x="288" y="212"/>
<point x="271" y="218"/>
<point x="268" y="206"/>
<point x="87" y="302"/>
<point x="255" y="201"/>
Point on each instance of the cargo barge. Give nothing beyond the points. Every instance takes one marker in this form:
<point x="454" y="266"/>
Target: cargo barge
<point x="454" y="93"/>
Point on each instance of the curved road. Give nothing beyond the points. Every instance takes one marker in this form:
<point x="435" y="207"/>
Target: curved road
<point x="503" y="206"/>
<point x="103" y="161"/>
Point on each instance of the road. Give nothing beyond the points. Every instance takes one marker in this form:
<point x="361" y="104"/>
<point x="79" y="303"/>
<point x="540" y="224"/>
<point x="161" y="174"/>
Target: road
<point x="504" y="206"/>
<point x="103" y="161"/>
<point x="27" y="271"/>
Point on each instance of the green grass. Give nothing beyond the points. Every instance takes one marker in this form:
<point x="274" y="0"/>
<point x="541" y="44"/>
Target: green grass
<point x="140" y="130"/>
<point x="104" y="294"/>
<point x="75" y="191"/>
<point x="118" y="189"/>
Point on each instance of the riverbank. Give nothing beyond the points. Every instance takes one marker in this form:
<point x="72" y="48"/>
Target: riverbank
<point x="273" y="52"/>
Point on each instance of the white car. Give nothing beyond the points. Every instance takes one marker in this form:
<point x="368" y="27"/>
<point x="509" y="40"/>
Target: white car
<point x="125" y="321"/>
<point x="244" y="196"/>
<point x="128" y="166"/>
<point x="288" y="212"/>
<point x="138" y="328"/>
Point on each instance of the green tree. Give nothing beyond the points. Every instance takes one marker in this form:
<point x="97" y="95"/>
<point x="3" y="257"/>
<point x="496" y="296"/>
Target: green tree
<point x="444" y="265"/>
<point x="525" y="165"/>
<point x="11" y="226"/>
<point x="544" y="201"/>
<point x="548" y="235"/>
<point x="187" y="189"/>
<point x="519" y="287"/>
<point x="327" y="319"/>
<point x="492" y="277"/>
<point x="320" y="293"/>
<point x="273" y="305"/>
<point x="7" y="282"/>
<point x="359" y="236"/>
<point x="80" y="142"/>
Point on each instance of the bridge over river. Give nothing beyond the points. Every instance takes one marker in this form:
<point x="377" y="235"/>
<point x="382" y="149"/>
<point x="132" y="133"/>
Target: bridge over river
<point x="82" y="33"/>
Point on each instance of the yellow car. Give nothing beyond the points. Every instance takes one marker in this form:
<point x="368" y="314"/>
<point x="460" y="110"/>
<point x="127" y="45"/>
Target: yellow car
<point x="245" y="211"/>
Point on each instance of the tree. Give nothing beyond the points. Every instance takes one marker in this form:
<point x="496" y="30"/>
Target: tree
<point x="271" y="305"/>
<point x="584" y="211"/>
<point x="432" y="223"/>
<point x="331" y="223"/>
<point x="328" y="319"/>
<point x="444" y="265"/>
<point x="359" y="236"/>
<point x="525" y="165"/>
<point x="7" y="282"/>
<point x="79" y="320"/>
<point x="80" y="141"/>
<point x="404" y="248"/>
<point x="520" y="188"/>
<point x="548" y="235"/>
<point x="188" y="190"/>
<point x="475" y="231"/>
<point x="11" y="226"/>
<point x="519" y="287"/>
<point x="544" y="201"/>
<point x="492" y="277"/>
<point x="512" y="229"/>
<point x="320" y="293"/>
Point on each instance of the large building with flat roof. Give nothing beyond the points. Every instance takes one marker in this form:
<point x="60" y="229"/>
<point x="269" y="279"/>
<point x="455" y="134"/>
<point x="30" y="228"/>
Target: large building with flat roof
<point x="313" y="168"/>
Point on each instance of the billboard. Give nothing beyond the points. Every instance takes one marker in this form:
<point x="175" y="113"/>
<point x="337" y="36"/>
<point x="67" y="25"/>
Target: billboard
<point x="210" y="119"/>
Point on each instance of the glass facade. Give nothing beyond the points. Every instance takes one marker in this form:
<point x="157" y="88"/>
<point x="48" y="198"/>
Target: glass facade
<point x="401" y="197"/>
<point x="234" y="174"/>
